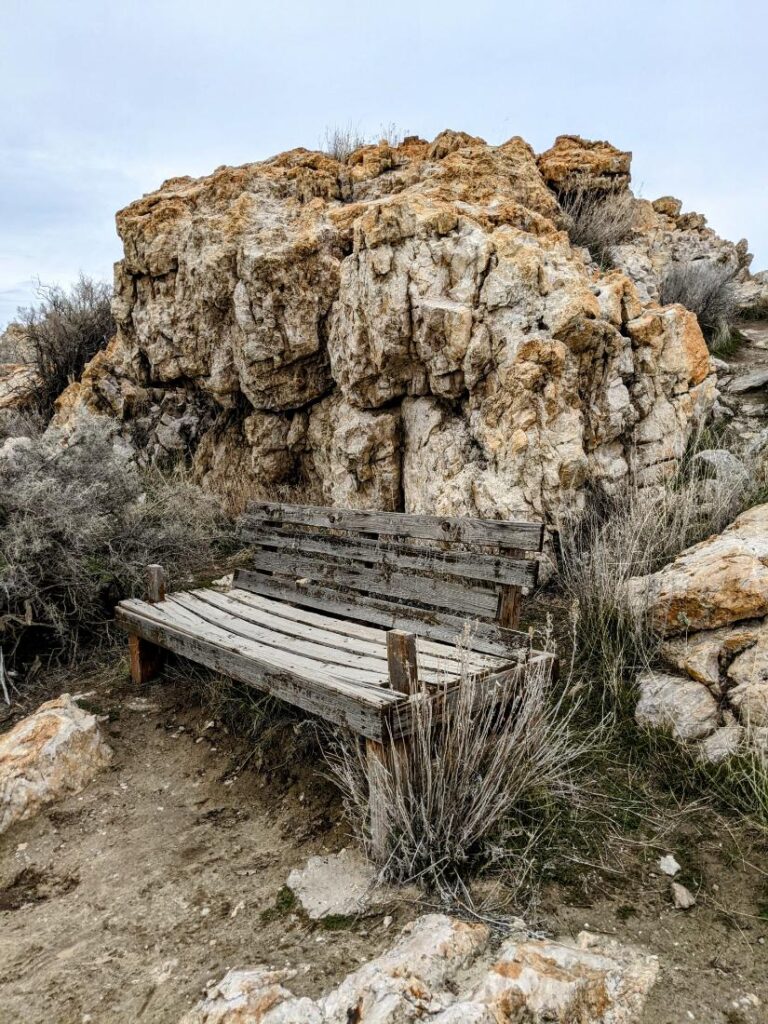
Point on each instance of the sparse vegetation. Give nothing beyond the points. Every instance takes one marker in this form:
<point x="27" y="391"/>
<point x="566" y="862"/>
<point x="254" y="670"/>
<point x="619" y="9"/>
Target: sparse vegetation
<point x="340" y="141"/>
<point x="706" y="288"/>
<point x="78" y="525"/>
<point x="63" y="333"/>
<point x="460" y="796"/>
<point x="598" y="221"/>
<point x="634" y="532"/>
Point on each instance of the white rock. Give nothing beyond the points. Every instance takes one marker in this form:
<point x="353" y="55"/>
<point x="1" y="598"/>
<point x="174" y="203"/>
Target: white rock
<point x="668" y="865"/>
<point x="438" y="970"/>
<point x="223" y="582"/>
<point x="48" y="755"/>
<point x="253" y="996"/>
<point x="595" y="980"/>
<point x="684" y="707"/>
<point x="722" y="744"/>
<point x="340" y="883"/>
<point x="408" y="982"/>
<point x="682" y="898"/>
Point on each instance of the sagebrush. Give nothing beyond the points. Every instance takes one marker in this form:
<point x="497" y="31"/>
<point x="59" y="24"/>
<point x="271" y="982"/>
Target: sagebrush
<point x="460" y="794"/>
<point x="598" y="221"/>
<point x="78" y="525"/>
<point x="708" y="290"/>
<point x="63" y="333"/>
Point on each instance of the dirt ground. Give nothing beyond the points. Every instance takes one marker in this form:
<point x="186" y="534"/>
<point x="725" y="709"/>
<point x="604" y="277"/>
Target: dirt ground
<point x="120" y="904"/>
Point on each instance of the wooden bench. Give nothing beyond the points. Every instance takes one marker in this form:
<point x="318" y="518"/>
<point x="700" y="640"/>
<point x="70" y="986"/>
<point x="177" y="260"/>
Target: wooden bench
<point x="353" y="615"/>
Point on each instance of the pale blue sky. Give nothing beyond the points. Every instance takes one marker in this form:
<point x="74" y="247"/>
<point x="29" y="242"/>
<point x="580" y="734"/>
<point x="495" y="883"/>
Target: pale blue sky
<point x="102" y="100"/>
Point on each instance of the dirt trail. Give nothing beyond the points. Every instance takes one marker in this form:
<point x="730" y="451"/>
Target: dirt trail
<point x="121" y="903"/>
<point x="118" y="905"/>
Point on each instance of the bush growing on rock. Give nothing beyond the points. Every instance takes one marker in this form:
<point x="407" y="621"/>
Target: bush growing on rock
<point x="78" y="525"/>
<point x="707" y="289"/>
<point x="598" y="221"/>
<point x="63" y="333"/>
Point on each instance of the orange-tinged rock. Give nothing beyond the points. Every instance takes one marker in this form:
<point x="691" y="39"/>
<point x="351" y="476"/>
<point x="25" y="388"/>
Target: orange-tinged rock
<point x="49" y="754"/>
<point x="575" y="162"/>
<point x="722" y="580"/>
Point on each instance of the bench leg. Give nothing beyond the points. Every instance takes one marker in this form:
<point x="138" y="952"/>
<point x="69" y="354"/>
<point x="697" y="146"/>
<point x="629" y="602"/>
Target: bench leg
<point x="146" y="659"/>
<point x="383" y="760"/>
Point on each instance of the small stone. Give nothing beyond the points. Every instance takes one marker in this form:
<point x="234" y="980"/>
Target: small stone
<point x="669" y="865"/>
<point x="341" y="884"/>
<point x="682" y="898"/>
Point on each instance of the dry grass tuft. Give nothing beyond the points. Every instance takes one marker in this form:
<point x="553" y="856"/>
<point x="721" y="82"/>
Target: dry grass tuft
<point x="707" y="289"/>
<point x="598" y="221"/>
<point x="461" y="794"/>
<point x="340" y="141"/>
<point x="632" y="533"/>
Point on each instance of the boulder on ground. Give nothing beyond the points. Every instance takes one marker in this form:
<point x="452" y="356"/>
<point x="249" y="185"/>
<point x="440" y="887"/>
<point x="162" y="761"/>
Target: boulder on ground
<point x="50" y="754"/>
<point x="594" y="980"/>
<point x="439" y="970"/>
<point x="722" y="580"/>
<point x="677" y="705"/>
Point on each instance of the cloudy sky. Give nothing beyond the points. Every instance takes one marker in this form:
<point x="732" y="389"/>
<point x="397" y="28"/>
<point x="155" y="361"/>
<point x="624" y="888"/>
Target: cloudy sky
<point x="102" y="101"/>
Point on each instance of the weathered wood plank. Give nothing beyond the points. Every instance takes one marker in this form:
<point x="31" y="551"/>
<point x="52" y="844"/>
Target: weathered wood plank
<point x="428" y="590"/>
<point x="361" y="716"/>
<point x="146" y="660"/>
<point x="484" y="637"/>
<point x="347" y="664"/>
<point x="442" y="650"/>
<point x="271" y="657"/>
<point x="499" y="569"/>
<point x="465" y="530"/>
<point x="402" y="661"/>
<point x="365" y="640"/>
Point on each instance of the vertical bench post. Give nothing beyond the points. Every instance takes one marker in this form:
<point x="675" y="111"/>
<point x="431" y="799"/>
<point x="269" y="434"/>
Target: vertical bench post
<point x="383" y="757"/>
<point x="147" y="658"/>
<point x="510" y="600"/>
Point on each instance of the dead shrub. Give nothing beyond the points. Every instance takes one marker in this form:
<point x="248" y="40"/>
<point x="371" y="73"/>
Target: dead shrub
<point x="341" y="141"/>
<point x="706" y="289"/>
<point x="598" y="221"/>
<point x="64" y="332"/>
<point x="78" y="525"/>
<point x="461" y="795"/>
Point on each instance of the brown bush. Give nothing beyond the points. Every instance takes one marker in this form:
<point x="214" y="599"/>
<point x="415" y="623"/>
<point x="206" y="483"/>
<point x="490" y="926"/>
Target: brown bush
<point x="64" y="332"/>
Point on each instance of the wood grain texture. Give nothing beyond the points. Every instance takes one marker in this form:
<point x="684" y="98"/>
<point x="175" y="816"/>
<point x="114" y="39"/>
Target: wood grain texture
<point x="487" y="638"/>
<point x="466" y="530"/>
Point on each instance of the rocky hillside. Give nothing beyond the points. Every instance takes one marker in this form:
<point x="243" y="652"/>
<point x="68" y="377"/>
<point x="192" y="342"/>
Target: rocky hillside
<point x="408" y="329"/>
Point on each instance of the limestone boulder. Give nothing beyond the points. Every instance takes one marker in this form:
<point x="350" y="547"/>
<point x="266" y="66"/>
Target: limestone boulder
<point x="720" y="581"/>
<point x="50" y="754"/>
<point x="575" y="162"/>
<point x="594" y="979"/>
<point x="408" y="329"/>
<point x="443" y="970"/>
<point x="676" y="705"/>
<point x="254" y="995"/>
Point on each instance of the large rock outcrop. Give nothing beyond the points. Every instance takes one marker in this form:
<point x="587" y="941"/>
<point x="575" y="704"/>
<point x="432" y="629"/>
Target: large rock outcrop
<point x="410" y="329"/>
<point x="441" y="969"/>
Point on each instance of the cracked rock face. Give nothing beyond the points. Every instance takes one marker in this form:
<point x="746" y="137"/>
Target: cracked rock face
<point x="442" y="969"/>
<point x="408" y="330"/>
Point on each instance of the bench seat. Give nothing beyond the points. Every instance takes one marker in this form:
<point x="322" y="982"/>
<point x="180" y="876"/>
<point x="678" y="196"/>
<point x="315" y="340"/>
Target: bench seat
<point x="327" y="665"/>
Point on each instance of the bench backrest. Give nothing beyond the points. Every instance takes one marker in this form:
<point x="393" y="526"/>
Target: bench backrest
<point x="424" y="573"/>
